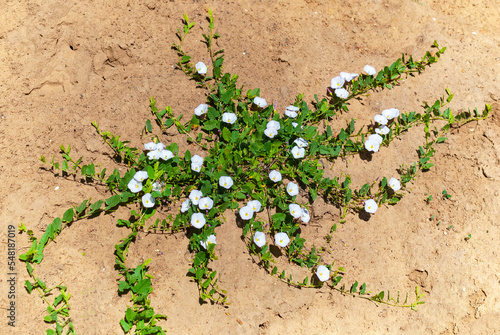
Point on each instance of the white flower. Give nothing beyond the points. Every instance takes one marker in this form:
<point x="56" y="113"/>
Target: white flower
<point x="270" y="132"/>
<point x="229" y="118"/>
<point x="260" y="102"/>
<point x="259" y="238"/>
<point x="295" y="210"/>
<point x="150" y="146"/>
<point x="195" y="167"/>
<point x="273" y="125"/>
<point x="295" y="124"/>
<point x="134" y="186"/>
<point x="323" y="273"/>
<point x="201" y="68"/>
<point x="390" y="113"/>
<point x="281" y="239"/>
<point x="156" y="186"/>
<point x="380" y="119"/>
<point x="198" y="220"/>
<point x="196" y="163"/>
<point x="226" y="182"/>
<point x="160" y="147"/>
<point x="348" y="76"/>
<point x="147" y="200"/>
<point x="275" y="176"/>
<point x="141" y="176"/>
<point x="206" y="203"/>
<point x="371" y="206"/>
<point x="201" y="109"/>
<point x="382" y="130"/>
<point x="301" y="143"/>
<point x="185" y="205"/>
<point x="166" y="154"/>
<point x="195" y="196"/>
<point x="376" y="137"/>
<point x="370" y="70"/>
<point x="341" y="93"/>
<point x="395" y="184"/>
<point x="298" y="152"/>
<point x="292" y="189"/>
<point x="305" y="217"/>
<point x="372" y="145"/>
<point x="210" y="240"/>
<point x="246" y="213"/>
<point x="337" y="82"/>
<point x="291" y="111"/>
<point x="255" y="205"/>
<point x="153" y="154"/>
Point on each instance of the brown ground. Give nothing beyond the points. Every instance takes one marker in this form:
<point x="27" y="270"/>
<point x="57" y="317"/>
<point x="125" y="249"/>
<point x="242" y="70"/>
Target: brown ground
<point x="64" y="64"/>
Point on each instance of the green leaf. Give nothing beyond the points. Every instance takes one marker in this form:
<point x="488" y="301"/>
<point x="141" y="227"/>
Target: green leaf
<point x="123" y="286"/>
<point x="29" y="286"/>
<point x="125" y="325"/>
<point x="149" y="128"/>
<point x="441" y="139"/>
<point x="142" y="287"/>
<point x="226" y="135"/>
<point x="82" y="207"/>
<point x="354" y="287"/>
<point x="68" y="215"/>
<point x="113" y="201"/>
<point x="95" y="206"/>
<point x="130" y="315"/>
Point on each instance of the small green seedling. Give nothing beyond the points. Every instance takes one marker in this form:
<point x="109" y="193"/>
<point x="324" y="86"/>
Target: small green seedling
<point x="446" y="195"/>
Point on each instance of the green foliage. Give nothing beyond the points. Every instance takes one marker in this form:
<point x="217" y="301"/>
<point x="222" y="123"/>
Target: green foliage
<point x="245" y="151"/>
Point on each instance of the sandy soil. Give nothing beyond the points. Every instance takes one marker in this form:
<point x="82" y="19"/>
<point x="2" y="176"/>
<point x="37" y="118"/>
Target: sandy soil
<point x="64" y="64"/>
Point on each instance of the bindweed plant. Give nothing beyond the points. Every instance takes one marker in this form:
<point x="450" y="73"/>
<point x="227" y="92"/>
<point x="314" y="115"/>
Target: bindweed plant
<point x="263" y="165"/>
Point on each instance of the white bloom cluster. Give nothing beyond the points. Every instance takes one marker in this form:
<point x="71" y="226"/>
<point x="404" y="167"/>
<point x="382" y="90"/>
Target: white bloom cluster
<point x="299" y="150"/>
<point x="272" y="128"/>
<point x="298" y="212"/>
<point x="135" y="186"/>
<point x="157" y="151"/>
<point x="246" y="212"/>
<point x="196" y="163"/>
<point x="338" y="82"/>
<point x="291" y="112"/>
<point x="374" y="141"/>
<point x="204" y="203"/>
